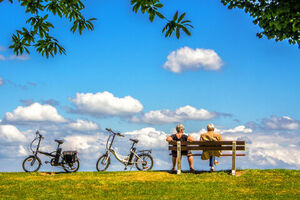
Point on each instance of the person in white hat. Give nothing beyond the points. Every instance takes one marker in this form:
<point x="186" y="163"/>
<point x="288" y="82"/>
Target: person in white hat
<point x="211" y="136"/>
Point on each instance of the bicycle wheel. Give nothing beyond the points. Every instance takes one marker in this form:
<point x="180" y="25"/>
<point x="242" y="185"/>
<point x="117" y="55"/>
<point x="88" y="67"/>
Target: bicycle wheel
<point x="71" y="167"/>
<point x="31" y="164"/>
<point x="144" y="162"/>
<point x="103" y="163"/>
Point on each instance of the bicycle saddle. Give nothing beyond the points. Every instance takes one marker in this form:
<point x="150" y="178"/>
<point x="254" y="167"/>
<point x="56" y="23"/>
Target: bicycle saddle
<point x="59" y="141"/>
<point x="134" y="140"/>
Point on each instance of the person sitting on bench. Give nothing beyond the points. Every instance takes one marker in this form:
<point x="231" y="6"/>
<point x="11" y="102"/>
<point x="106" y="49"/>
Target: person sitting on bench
<point x="211" y="136"/>
<point x="180" y="136"/>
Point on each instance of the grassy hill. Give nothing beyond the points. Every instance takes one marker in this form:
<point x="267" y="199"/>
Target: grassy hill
<point x="248" y="184"/>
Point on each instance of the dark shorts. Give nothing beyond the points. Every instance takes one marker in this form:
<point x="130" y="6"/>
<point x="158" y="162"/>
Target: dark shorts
<point x="183" y="153"/>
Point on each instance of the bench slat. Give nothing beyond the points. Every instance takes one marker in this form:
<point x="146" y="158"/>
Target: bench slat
<point x="208" y="143"/>
<point x="184" y="148"/>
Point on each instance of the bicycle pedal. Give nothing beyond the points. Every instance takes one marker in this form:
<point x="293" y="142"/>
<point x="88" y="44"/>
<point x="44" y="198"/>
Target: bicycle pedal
<point x="47" y="162"/>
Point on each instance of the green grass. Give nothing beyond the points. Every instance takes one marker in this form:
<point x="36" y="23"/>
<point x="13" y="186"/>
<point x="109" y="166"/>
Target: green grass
<point x="248" y="184"/>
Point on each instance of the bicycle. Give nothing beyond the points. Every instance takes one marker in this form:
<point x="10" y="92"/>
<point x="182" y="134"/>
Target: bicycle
<point x="67" y="159"/>
<point x="142" y="159"/>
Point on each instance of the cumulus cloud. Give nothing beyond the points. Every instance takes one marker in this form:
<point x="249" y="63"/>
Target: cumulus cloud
<point x="104" y="104"/>
<point x="179" y="115"/>
<point x="270" y="149"/>
<point x="149" y="137"/>
<point x="88" y="146"/>
<point x="82" y="125"/>
<point x="280" y="123"/>
<point x="34" y="113"/>
<point x="189" y="59"/>
<point x="237" y="129"/>
<point x="9" y="133"/>
<point x="1" y="80"/>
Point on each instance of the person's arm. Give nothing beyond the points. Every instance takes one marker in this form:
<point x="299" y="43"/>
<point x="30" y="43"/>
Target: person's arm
<point x="201" y="137"/>
<point x="169" y="139"/>
<point x="190" y="139"/>
<point x="220" y="137"/>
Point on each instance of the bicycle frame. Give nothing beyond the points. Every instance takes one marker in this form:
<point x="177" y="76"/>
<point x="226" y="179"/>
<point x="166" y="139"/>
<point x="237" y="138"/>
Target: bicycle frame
<point x="126" y="159"/>
<point x="55" y="154"/>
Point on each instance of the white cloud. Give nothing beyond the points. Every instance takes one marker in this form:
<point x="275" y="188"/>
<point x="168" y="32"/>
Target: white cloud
<point x="273" y="151"/>
<point x="280" y="123"/>
<point x="21" y="57"/>
<point x="179" y="115"/>
<point x="2" y="48"/>
<point x="88" y="146"/>
<point x="2" y="57"/>
<point x="149" y="138"/>
<point x="1" y="80"/>
<point x="238" y="129"/>
<point x="22" y="151"/>
<point x="9" y="133"/>
<point x="189" y="59"/>
<point x="34" y="113"/>
<point x="82" y="125"/>
<point x="105" y="104"/>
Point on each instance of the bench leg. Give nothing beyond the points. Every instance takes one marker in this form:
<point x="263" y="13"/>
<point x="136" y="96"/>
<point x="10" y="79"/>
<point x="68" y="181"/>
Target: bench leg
<point x="233" y="158"/>
<point x="178" y="157"/>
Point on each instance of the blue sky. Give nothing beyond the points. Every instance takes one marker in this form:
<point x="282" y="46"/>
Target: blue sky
<point x="255" y="86"/>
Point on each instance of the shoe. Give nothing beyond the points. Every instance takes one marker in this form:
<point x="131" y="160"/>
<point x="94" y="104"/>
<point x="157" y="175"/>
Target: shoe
<point x="212" y="169"/>
<point x="192" y="170"/>
<point x="172" y="171"/>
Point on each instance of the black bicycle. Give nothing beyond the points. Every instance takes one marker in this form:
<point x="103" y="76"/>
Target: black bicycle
<point x="67" y="159"/>
<point x="142" y="159"/>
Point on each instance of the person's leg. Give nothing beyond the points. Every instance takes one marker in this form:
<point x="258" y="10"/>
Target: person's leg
<point x="191" y="160"/>
<point x="174" y="163"/>
<point x="211" y="163"/>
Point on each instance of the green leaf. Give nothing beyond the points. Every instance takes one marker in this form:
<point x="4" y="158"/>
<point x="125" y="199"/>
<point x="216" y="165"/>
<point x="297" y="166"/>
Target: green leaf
<point x="175" y="16"/>
<point x="177" y="33"/>
<point x="151" y="17"/>
<point x="181" y="17"/>
<point x="159" y="15"/>
<point x="186" y="30"/>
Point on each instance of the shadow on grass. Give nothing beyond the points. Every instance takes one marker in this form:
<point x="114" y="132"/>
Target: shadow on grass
<point x="52" y="173"/>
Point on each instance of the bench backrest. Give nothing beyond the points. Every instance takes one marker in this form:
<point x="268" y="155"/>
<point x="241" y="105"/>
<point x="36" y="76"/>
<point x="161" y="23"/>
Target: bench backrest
<point x="208" y="145"/>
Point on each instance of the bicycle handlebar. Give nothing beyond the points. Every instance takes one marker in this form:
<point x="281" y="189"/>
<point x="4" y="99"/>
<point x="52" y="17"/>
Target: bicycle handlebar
<point x="118" y="134"/>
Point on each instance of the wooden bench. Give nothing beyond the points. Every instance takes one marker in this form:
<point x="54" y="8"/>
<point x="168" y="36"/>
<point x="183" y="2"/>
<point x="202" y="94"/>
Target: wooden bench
<point x="232" y="146"/>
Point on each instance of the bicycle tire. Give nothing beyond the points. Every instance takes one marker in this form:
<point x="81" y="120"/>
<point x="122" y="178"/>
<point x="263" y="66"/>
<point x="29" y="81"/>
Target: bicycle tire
<point x="102" y="163"/>
<point x="146" y="163"/>
<point x="31" y="160"/>
<point x="68" y="168"/>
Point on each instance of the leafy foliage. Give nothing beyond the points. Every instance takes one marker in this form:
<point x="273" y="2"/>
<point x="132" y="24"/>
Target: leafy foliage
<point x="151" y="7"/>
<point x="279" y="19"/>
<point x="38" y="36"/>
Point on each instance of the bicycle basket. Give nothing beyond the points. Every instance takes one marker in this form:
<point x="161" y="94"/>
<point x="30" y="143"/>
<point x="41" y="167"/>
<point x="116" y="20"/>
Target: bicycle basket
<point x="70" y="156"/>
